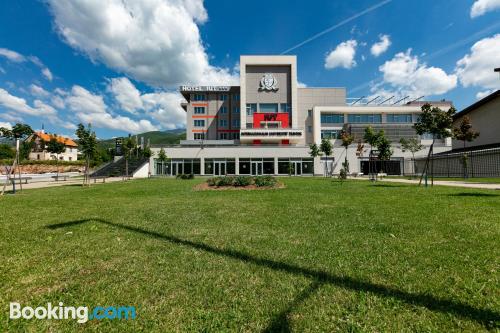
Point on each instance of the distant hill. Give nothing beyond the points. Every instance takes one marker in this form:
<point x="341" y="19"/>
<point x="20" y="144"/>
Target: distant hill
<point x="155" y="137"/>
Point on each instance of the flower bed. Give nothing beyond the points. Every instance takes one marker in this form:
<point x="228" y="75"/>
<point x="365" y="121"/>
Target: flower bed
<point x="240" y="182"/>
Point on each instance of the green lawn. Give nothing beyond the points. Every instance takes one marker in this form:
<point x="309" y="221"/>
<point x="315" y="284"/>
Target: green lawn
<point x="316" y="256"/>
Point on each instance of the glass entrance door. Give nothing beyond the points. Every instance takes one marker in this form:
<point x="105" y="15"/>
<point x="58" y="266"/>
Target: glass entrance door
<point x="176" y="168"/>
<point x="256" y="168"/>
<point x="219" y="168"/>
<point x="297" y="166"/>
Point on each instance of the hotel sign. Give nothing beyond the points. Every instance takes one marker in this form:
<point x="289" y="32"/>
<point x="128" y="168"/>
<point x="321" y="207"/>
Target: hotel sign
<point x="270" y="133"/>
<point x="206" y="88"/>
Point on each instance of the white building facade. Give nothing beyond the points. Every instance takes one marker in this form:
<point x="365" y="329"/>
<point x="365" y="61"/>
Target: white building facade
<point x="267" y="124"/>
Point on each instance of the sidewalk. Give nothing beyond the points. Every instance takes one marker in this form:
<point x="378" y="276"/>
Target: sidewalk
<point x="487" y="186"/>
<point x="53" y="183"/>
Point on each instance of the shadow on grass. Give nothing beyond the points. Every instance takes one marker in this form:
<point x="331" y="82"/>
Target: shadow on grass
<point x="473" y="194"/>
<point x="388" y="185"/>
<point x="280" y="322"/>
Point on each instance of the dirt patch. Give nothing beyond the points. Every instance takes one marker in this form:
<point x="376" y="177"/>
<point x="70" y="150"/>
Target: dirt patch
<point x="205" y="187"/>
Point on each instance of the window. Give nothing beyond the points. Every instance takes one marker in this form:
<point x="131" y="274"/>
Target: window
<point x="223" y="109"/>
<point x="330" y="134"/>
<point x="399" y="118"/>
<point x="223" y="97"/>
<point x="200" y="97"/>
<point x="284" y="107"/>
<point x="236" y="109"/>
<point x="236" y="123"/>
<point x="364" y="118"/>
<point x="199" y="109"/>
<point x="70" y="158"/>
<point x="199" y="136"/>
<point x="223" y="123"/>
<point x="251" y="109"/>
<point x="268" y="107"/>
<point x="249" y="125"/>
<point x="236" y="136"/>
<point x="309" y="113"/>
<point x="332" y="118"/>
<point x="223" y="136"/>
<point x="236" y="97"/>
<point x="309" y="129"/>
<point x="199" y="123"/>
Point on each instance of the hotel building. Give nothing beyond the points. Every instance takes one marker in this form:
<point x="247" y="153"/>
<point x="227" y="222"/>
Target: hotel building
<point x="266" y="124"/>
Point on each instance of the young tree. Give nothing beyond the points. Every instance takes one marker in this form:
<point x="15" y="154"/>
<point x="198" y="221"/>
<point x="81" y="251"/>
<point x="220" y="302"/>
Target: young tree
<point x="412" y="145"/>
<point x="56" y="147"/>
<point x="87" y="143"/>
<point x="465" y="133"/>
<point x="437" y="123"/>
<point x="326" y="148"/>
<point x="128" y="150"/>
<point x="162" y="157"/>
<point x="384" y="148"/>
<point x="19" y="132"/>
<point x="347" y="140"/>
<point x="372" y="138"/>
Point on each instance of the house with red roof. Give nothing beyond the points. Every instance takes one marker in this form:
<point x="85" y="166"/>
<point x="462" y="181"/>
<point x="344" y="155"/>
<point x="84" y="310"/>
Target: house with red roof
<point x="39" y="152"/>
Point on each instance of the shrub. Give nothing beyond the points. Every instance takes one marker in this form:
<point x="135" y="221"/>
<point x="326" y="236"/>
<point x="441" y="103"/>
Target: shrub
<point x="225" y="181"/>
<point x="185" y="176"/>
<point x="265" y="181"/>
<point x="212" y="181"/>
<point x="242" y="181"/>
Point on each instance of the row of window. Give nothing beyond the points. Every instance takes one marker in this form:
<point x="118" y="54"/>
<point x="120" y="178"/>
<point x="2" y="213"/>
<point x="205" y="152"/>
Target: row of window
<point x="227" y="166"/>
<point x="267" y="108"/>
<point x="370" y="118"/>
<point x="222" y="97"/>
<point x="223" y="109"/>
<point x="229" y="136"/>
<point x="222" y="123"/>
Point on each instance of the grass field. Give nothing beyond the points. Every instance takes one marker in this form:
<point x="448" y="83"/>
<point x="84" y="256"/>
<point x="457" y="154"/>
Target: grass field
<point x="316" y="256"/>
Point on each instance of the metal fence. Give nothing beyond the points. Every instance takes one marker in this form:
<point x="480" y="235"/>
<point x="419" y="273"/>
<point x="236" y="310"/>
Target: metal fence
<point x="479" y="163"/>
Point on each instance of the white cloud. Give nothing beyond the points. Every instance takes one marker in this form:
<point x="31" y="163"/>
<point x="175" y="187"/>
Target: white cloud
<point x="301" y="85"/>
<point x="481" y="7"/>
<point x="57" y="101"/>
<point x="126" y="94"/>
<point x="476" y="68"/>
<point x="483" y="94"/>
<point x="91" y="108"/>
<point x="47" y="73"/>
<point x="45" y="109"/>
<point x="381" y="46"/>
<point x="12" y="55"/>
<point x="155" y="41"/>
<point x="38" y="91"/>
<point x="405" y="73"/>
<point x="15" y="103"/>
<point x="342" y="56"/>
<point x="6" y="125"/>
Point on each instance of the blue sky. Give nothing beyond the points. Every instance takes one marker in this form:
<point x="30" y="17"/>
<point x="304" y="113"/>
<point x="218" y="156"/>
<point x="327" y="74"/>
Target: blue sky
<point x="117" y="63"/>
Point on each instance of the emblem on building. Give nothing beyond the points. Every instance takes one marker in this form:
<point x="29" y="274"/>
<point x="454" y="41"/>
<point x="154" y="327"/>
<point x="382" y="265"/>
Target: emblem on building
<point x="269" y="82"/>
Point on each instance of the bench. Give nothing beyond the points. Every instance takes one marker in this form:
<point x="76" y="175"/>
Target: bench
<point x="19" y="180"/>
<point x="56" y="178"/>
<point x="99" y="177"/>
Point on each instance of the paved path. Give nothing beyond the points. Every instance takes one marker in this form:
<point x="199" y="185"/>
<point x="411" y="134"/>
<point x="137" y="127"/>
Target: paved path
<point x="488" y="186"/>
<point x="53" y="183"/>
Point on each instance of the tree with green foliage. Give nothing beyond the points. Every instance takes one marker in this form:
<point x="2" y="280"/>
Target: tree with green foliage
<point x="372" y="138"/>
<point x="465" y="133"/>
<point x="347" y="140"/>
<point x="6" y="152"/>
<point x="326" y="148"/>
<point x="313" y="152"/>
<point x="437" y="123"/>
<point x="87" y="144"/>
<point x="19" y="132"/>
<point x="162" y="157"/>
<point x="146" y="152"/>
<point x="128" y="150"/>
<point x="56" y="147"/>
<point x="412" y="145"/>
<point x="384" y="148"/>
